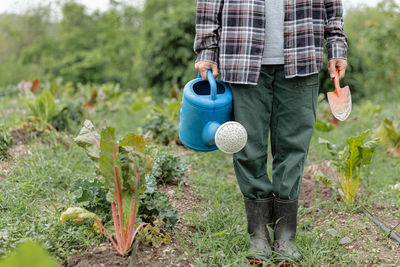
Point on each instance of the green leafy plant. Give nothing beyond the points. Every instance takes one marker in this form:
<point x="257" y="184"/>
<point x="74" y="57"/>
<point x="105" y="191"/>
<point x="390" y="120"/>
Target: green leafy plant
<point x="48" y="112"/>
<point x="69" y="117"/>
<point x="389" y="134"/>
<point x="170" y="107"/>
<point x="155" y="203"/>
<point x="122" y="166"/>
<point x="160" y="129"/>
<point x="357" y="153"/>
<point x="43" y="108"/>
<point x="5" y="142"/>
<point x="153" y="235"/>
<point x="91" y="195"/>
<point x="168" y="168"/>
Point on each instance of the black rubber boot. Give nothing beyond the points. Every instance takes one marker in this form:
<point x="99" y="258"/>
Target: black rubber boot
<point x="285" y="219"/>
<point x="259" y="216"/>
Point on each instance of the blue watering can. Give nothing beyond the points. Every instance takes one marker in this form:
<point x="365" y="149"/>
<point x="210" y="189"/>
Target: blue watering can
<point x="205" y="114"/>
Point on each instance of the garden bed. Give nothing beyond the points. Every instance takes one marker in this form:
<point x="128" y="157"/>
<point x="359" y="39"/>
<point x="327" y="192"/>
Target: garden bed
<point x="172" y="254"/>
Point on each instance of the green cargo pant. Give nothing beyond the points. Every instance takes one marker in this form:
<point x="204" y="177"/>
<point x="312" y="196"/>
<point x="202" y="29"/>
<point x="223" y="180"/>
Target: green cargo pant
<point x="287" y="109"/>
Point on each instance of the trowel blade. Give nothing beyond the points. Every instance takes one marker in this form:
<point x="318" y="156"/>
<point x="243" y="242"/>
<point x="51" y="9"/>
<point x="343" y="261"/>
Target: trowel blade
<point x="340" y="103"/>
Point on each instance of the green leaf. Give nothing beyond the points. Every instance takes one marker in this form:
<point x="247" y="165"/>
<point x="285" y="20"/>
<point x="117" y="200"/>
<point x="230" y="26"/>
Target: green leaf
<point x="138" y="105"/>
<point x="134" y="141"/>
<point x="332" y="148"/>
<point x="151" y="184"/>
<point x="77" y="214"/>
<point x="158" y="204"/>
<point x="327" y="181"/>
<point x="138" y="148"/>
<point x="89" y="139"/>
<point x="323" y="126"/>
<point x="168" y="168"/>
<point x="367" y="151"/>
<point x="109" y="163"/>
<point x="29" y="254"/>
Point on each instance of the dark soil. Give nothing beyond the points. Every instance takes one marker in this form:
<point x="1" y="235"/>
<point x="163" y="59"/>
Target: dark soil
<point x="308" y="196"/>
<point x="101" y="255"/>
<point x="23" y="135"/>
<point x="172" y="254"/>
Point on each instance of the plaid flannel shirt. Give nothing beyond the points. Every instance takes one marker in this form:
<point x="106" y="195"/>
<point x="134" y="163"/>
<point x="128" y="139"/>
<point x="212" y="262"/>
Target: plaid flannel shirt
<point x="231" y="33"/>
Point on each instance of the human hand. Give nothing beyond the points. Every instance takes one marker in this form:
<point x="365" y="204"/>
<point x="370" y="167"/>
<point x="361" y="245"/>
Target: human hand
<point x="340" y="64"/>
<point x="203" y="66"/>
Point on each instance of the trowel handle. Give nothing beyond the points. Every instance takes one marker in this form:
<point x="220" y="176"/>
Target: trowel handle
<point x="336" y="80"/>
<point x="213" y="84"/>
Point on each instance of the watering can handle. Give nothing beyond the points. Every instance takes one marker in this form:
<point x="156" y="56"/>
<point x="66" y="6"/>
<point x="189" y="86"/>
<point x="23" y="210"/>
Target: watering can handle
<point x="213" y="84"/>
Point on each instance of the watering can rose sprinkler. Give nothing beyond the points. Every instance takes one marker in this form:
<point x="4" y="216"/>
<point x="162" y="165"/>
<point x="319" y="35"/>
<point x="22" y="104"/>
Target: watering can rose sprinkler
<point x="205" y="117"/>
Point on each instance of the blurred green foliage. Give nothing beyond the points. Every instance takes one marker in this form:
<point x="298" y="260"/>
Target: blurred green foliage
<point x="29" y="254"/>
<point x="152" y="47"/>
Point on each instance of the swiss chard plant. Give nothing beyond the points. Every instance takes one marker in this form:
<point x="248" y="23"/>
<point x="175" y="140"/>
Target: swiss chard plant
<point x="349" y="160"/>
<point x="122" y="166"/>
<point x="48" y="112"/>
<point x="43" y="108"/>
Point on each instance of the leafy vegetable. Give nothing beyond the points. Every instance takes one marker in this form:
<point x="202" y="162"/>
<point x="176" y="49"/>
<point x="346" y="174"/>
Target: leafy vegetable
<point x="47" y="111"/>
<point x="91" y="195"/>
<point x="349" y="161"/>
<point x="77" y="215"/>
<point x="153" y="235"/>
<point x="118" y="165"/>
<point x="168" y="168"/>
<point x="161" y="129"/>
<point x="69" y="117"/>
<point x="5" y="142"/>
<point x="158" y="204"/>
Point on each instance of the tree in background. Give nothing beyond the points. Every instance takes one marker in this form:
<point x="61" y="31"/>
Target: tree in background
<point x="166" y="52"/>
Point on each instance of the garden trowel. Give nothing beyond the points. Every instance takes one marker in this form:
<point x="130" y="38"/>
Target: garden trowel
<point x="340" y="100"/>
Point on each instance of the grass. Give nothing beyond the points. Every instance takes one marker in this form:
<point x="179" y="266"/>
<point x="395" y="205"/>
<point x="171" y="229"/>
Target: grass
<point x="220" y="237"/>
<point x="35" y="193"/>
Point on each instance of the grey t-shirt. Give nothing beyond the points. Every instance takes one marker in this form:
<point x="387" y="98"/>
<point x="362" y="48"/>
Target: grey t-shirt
<point x="274" y="21"/>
